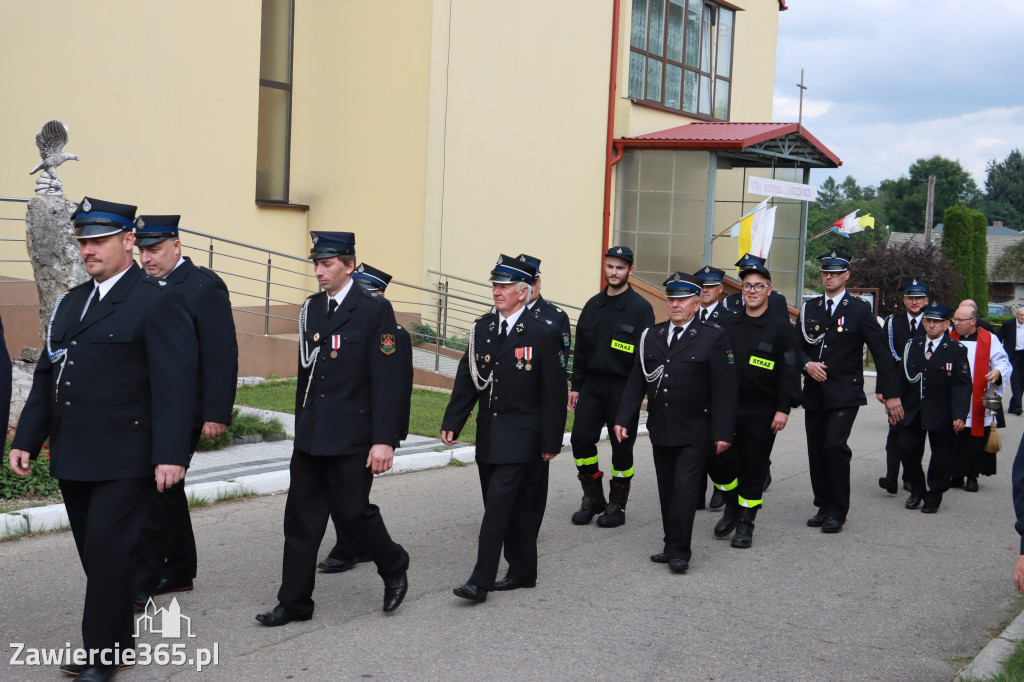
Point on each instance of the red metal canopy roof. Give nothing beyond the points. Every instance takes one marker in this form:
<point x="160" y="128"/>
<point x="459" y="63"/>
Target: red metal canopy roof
<point x="727" y="137"/>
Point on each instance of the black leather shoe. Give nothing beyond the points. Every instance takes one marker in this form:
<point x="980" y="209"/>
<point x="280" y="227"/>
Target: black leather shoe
<point x="831" y="525"/>
<point x="469" y="591"/>
<point x="678" y="565"/>
<point x="166" y="586"/>
<point x="74" y="669"/>
<point x="507" y="584"/>
<point x="888" y="485"/>
<point x="930" y="509"/>
<point x="99" y="673"/>
<point x="956" y="482"/>
<point x="139" y="600"/>
<point x="332" y="565"/>
<point x="817" y="521"/>
<point x="972" y="485"/>
<point x="660" y="558"/>
<point x="913" y="502"/>
<point x="279" y="616"/>
<point x="1017" y="411"/>
<point x="394" y="592"/>
<point x="717" y="500"/>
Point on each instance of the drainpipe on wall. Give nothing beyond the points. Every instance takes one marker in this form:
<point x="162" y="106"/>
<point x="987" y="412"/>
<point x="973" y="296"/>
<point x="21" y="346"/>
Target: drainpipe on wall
<point x="613" y="152"/>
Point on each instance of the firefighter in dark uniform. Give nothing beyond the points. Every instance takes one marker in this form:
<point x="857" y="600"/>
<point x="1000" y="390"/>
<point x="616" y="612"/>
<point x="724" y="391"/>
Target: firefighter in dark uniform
<point x="834" y="329"/>
<point x="347" y="551"/>
<point x="691" y="407"/>
<point x="555" y="317"/>
<point x="769" y="387"/>
<point x="113" y="392"/>
<point x="776" y="302"/>
<point x="347" y="422"/>
<point x="936" y="378"/>
<point x="513" y="369"/>
<point x="711" y="312"/>
<point x="900" y="328"/>
<point x="166" y="556"/>
<point x="607" y="333"/>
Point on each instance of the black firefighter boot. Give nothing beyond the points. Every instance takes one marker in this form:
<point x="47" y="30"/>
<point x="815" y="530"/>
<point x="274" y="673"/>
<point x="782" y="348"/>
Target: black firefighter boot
<point x="593" y="498"/>
<point x="615" y="513"/>
<point x="727" y="523"/>
<point x="745" y="529"/>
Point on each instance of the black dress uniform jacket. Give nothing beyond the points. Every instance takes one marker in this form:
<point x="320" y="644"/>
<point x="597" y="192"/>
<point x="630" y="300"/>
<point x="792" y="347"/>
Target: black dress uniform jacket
<point x="777" y="305"/>
<point x="210" y="309"/>
<point x="607" y="334"/>
<point x="545" y="311"/>
<point x="121" y="401"/>
<point x="841" y="351"/>
<point x="352" y="401"/>
<point x="695" y="399"/>
<point x="719" y="315"/>
<point x="405" y="396"/>
<point x="897" y="334"/>
<point x="945" y="383"/>
<point x="522" y="414"/>
<point x="6" y="375"/>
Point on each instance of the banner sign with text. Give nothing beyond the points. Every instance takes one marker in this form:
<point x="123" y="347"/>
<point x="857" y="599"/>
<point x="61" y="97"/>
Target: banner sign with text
<point x="781" y="188"/>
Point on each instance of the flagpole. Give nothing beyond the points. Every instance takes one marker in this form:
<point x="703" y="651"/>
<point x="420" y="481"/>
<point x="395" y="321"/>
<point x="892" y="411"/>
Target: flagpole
<point x="759" y="207"/>
<point x="820" y="234"/>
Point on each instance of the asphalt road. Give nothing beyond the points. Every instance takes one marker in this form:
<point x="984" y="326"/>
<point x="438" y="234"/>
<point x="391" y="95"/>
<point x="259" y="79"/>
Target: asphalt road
<point x="898" y="595"/>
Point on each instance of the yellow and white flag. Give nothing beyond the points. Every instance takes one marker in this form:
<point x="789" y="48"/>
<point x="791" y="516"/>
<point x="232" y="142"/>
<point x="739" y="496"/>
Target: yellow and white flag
<point x="755" y="230"/>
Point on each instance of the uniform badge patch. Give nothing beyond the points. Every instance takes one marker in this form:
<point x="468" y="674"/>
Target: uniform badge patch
<point x="729" y="355"/>
<point x="387" y="344"/>
<point x="565" y="339"/>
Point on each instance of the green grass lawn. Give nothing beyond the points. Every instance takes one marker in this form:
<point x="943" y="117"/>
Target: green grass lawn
<point x="424" y="420"/>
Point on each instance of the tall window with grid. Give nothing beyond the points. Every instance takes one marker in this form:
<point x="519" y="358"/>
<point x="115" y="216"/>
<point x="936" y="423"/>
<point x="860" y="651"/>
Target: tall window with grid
<point x="275" y="109"/>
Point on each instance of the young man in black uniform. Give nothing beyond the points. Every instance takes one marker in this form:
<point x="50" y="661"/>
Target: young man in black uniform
<point x="691" y="407"/>
<point x="113" y="392"/>
<point x="513" y="369"/>
<point x="166" y="556"/>
<point x="776" y="302"/>
<point x="346" y="429"/>
<point x="711" y="312"/>
<point x="936" y="377"/>
<point x="348" y="551"/>
<point x="607" y="333"/>
<point x="834" y="329"/>
<point x="900" y="328"/>
<point x="769" y="381"/>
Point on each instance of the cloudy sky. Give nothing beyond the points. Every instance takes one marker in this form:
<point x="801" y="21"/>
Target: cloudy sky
<point x="891" y="82"/>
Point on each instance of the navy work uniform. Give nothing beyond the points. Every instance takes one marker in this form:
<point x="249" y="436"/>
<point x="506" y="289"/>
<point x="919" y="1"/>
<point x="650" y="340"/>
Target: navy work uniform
<point x="513" y="370"/>
<point x="834" y="331"/>
<point x="348" y="551"/>
<point x="348" y="380"/>
<point x="715" y="313"/>
<point x="113" y="392"/>
<point x="167" y="549"/>
<point x="936" y="377"/>
<point x="899" y="328"/>
<point x="607" y="334"/>
<point x="688" y="376"/>
<point x="769" y="383"/>
<point x="776" y="302"/>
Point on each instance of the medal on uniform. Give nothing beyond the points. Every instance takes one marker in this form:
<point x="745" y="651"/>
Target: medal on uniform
<point x="840" y="327"/>
<point x="519" y="357"/>
<point x="487" y="358"/>
<point x="335" y="343"/>
<point x="528" y="355"/>
<point x="949" y="369"/>
<point x="316" y="337"/>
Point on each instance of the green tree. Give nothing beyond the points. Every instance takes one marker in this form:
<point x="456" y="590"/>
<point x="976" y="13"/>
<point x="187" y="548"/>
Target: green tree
<point x="889" y="269"/>
<point x="1005" y="181"/>
<point x="979" y="227"/>
<point x="1009" y="266"/>
<point x="905" y="198"/>
<point x="958" y="246"/>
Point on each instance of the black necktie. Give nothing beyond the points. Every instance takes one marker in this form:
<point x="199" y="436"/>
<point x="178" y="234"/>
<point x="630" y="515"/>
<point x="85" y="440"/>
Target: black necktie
<point x="92" y="302"/>
<point x="676" y="333"/>
<point x="331" y="307"/>
<point x="928" y="354"/>
<point x="703" y="316"/>
<point x="913" y="325"/>
<point x="828" y="308"/>
<point x="503" y="334"/>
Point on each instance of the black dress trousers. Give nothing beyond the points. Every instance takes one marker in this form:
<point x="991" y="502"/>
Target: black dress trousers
<point x="507" y="521"/>
<point x="940" y="466"/>
<point x="829" y="458"/>
<point x="320" y="485"/>
<point x="680" y="471"/>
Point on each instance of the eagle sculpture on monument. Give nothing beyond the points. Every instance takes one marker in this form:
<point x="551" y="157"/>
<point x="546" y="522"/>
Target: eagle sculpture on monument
<point x="51" y="140"/>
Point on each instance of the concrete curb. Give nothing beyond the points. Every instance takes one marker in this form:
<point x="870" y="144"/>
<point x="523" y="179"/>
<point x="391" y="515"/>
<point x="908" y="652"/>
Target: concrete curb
<point x="989" y="662"/>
